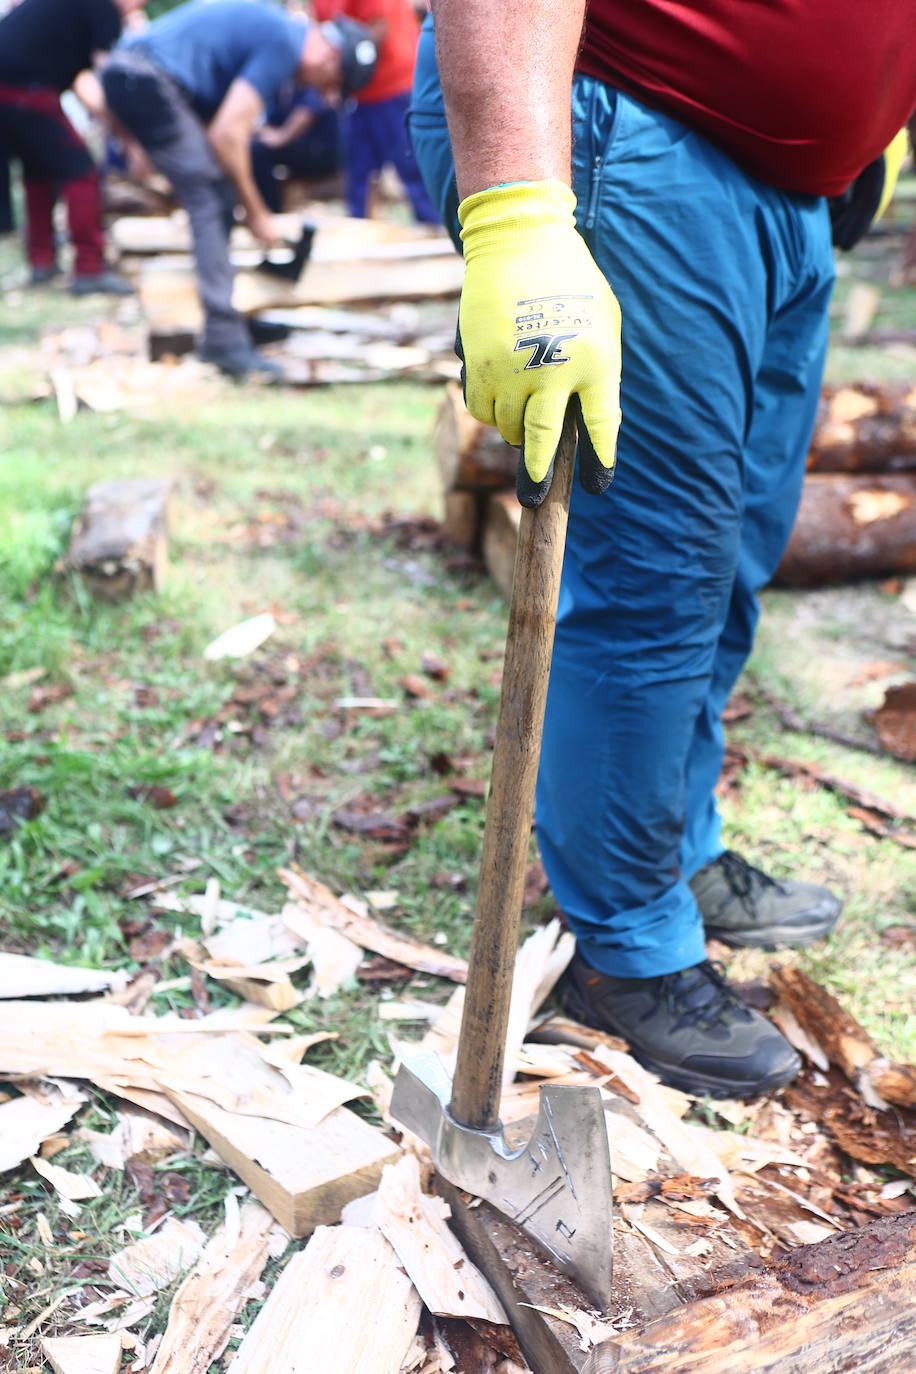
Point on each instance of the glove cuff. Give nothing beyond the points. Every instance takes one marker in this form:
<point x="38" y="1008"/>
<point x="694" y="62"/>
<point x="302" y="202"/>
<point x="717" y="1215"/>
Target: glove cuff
<point x="517" y="207"/>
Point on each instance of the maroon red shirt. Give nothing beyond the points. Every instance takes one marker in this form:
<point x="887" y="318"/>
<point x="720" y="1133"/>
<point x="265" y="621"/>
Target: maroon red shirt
<point x="803" y="93"/>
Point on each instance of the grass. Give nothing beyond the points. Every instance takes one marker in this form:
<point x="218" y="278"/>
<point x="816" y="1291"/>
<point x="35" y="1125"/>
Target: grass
<point x="316" y="506"/>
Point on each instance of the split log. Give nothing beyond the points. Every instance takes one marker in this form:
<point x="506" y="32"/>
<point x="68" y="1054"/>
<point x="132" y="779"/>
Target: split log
<point x="844" y="1042"/>
<point x="343" y="1305"/>
<point x="214" y="1293"/>
<point x="303" y="1176"/>
<point x="462" y="520"/>
<point x="471" y="456"/>
<point x="846" y="1303"/>
<point x="119" y="540"/>
<point x="850" y="527"/>
<point x="500" y="537"/>
<point x="865" y="429"/>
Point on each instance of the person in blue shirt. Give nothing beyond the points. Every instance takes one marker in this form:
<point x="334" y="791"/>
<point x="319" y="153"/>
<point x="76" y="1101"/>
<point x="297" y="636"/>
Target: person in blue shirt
<point x="302" y="135"/>
<point x="191" y="89"/>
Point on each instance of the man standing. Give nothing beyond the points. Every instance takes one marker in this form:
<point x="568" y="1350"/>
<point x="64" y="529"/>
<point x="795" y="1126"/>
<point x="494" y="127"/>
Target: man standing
<point x="375" y="128"/>
<point x="46" y="47"/>
<point x="705" y="139"/>
<point x="191" y="89"/>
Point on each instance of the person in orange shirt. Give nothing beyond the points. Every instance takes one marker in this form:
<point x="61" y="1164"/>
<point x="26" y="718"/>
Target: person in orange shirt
<point x="375" y="125"/>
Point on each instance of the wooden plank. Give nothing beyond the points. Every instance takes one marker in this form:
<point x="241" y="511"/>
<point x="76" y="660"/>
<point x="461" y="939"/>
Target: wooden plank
<point x="304" y="1177"/>
<point x="168" y="291"/>
<point x="343" y="1305"/>
<point x="335" y="233"/>
<point x="214" y="1293"/>
<point x="846" y="1303"/>
<point x="83" y="1354"/>
<point x="416" y="1226"/>
<point x="119" y="540"/>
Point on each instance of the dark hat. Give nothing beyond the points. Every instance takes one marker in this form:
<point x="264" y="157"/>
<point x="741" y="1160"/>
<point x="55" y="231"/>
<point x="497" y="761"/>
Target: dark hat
<point x="358" y="52"/>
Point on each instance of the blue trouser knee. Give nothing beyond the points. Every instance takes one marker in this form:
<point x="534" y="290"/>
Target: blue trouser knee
<point x="723" y="283"/>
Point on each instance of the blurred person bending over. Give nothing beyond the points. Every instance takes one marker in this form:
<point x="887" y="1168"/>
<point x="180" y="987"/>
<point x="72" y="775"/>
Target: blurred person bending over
<point x="191" y="89"/>
<point x="47" y="47"/>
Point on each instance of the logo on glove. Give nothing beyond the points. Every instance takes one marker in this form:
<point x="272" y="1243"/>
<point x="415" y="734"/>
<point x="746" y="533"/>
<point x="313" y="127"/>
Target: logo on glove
<point x="545" y="349"/>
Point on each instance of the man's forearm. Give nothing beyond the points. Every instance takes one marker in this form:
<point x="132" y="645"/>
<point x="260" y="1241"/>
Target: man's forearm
<point x="234" y="156"/>
<point x="506" y="74"/>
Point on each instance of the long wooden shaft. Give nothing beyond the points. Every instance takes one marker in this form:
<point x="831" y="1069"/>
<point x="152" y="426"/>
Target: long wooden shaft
<point x="529" y="642"/>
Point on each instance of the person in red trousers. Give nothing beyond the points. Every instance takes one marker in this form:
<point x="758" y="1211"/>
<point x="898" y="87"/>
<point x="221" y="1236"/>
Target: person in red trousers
<point x="47" y="47"/>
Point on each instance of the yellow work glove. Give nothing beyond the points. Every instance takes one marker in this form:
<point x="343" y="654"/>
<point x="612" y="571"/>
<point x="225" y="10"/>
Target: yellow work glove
<point x="538" y="328"/>
<point x="894" y="155"/>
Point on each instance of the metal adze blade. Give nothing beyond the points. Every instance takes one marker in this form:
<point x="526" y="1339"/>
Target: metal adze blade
<point x="556" y="1187"/>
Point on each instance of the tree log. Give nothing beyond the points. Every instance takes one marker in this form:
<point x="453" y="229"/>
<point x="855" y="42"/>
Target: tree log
<point x="846" y="1303"/>
<point x="500" y="536"/>
<point x="865" y="429"/>
<point x="119" y="539"/>
<point x="471" y="456"/>
<point x="851" y="526"/>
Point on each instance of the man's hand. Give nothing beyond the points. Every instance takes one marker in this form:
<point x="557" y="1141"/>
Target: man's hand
<point x="538" y="328"/>
<point x="264" y="227"/>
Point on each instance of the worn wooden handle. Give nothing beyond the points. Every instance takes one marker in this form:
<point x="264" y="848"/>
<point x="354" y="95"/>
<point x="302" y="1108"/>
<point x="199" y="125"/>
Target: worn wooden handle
<point x="529" y="642"/>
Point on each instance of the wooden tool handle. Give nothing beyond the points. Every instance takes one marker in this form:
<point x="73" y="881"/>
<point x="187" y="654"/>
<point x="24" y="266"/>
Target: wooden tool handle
<point x="477" y="1083"/>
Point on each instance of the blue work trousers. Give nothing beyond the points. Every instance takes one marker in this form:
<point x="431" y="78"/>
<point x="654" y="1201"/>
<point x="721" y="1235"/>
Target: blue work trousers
<point x="724" y="285"/>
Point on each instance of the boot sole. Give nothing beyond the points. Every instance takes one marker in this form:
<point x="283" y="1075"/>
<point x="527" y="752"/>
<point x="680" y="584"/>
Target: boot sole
<point x="773" y="937"/>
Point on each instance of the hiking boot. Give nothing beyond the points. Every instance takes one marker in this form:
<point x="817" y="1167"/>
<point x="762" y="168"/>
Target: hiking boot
<point x="106" y="283"/>
<point x="241" y="362"/>
<point x="40" y="276"/>
<point x="740" y="905"/>
<point x="688" y="1027"/>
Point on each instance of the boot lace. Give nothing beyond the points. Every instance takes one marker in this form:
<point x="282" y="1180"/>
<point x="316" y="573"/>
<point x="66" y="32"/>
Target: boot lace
<point x="700" y="996"/>
<point x="742" y="877"/>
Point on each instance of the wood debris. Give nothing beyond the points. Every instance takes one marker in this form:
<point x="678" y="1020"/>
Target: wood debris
<point x="71" y="1186"/>
<point x="22" y="976"/>
<point x="157" y="1260"/>
<point x="343" y="1305"/>
<point x="83" y="1354"/>
<point x="27" y="1121"/>
<point x="416" y="1226"/>
<point x="352" y="919"/>
<point x="213" y="1294"/>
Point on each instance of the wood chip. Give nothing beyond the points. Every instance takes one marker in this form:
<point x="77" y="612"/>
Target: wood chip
<point x="27" y="1121"/>
<point x="156" y="1261"/>
<point x="417" y="1227"/>
<point x="73" y="1186"/>
<point x="22" y="976"/>
<point x="83" y="1354"/>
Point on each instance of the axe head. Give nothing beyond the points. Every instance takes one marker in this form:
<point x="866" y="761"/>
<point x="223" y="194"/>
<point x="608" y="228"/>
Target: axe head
<point x="556" y="1187"/>
<point x="288" y="262"/>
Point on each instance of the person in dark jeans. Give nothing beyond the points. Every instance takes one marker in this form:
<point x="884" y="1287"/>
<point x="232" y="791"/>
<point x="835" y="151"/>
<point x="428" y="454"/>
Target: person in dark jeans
<point x="301" y="135"/>
<point x="191" y="89"/>
<point x="46" y="47"/>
